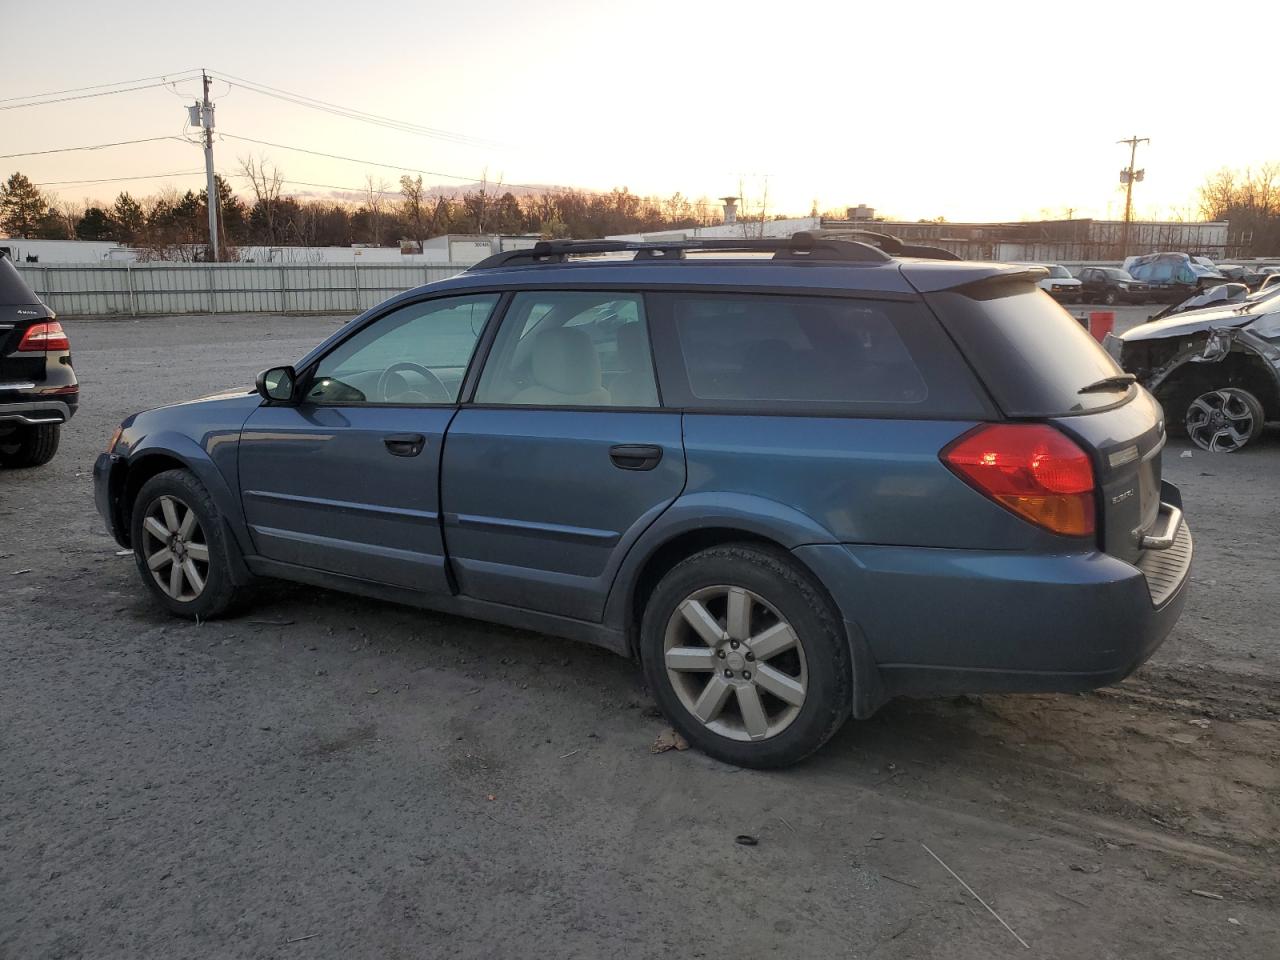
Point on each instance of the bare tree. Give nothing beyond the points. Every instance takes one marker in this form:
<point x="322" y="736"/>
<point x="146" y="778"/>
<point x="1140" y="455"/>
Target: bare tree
<point x="413" y="206"/>
<point x="375" y="203"/>
<point x="267" y="181"/>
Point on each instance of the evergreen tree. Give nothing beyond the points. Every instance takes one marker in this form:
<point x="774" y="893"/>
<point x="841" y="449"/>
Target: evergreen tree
<point x="22" y="207"/>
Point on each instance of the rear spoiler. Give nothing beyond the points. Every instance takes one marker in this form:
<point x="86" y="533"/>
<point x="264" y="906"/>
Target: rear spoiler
<point x="933" y="277"/>
<point x="890" y="245"/>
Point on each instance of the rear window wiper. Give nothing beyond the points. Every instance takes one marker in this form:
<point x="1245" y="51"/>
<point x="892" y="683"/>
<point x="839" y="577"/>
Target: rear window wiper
<point x="1109" y="383"/>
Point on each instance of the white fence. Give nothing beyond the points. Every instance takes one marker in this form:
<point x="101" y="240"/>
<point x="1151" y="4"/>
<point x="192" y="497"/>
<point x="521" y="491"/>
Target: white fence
<point x="161" y="289"/>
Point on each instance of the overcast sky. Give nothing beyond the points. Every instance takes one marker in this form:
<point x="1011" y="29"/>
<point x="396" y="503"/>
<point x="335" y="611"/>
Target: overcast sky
<point x="965" y="110"/>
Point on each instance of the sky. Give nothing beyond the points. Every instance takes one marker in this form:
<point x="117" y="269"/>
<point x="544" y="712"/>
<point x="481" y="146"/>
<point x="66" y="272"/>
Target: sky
<point x="968" y="111"/>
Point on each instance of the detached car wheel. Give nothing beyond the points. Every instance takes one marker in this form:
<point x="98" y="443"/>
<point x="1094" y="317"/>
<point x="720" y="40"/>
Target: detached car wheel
<point x="745" y="656"/>
<point x="30" y="446"/>
<point x="1224" y="421"/>
<point x="181" y="547"/>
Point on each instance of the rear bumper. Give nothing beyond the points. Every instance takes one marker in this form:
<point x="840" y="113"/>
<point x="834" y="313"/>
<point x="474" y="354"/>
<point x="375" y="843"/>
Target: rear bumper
<point x="959" y="621"/>
<point x="32" y="412"/>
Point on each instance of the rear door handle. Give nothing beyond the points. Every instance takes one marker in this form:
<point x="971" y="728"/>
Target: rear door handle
<point x="635" y="456"/>
<point x="405" y="444"/>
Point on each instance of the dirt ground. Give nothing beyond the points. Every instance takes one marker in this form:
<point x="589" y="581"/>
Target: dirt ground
<point x="331" y="777"/>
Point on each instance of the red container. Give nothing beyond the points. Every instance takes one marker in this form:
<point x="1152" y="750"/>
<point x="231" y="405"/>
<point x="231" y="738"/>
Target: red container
<point x="1101" y="322"/>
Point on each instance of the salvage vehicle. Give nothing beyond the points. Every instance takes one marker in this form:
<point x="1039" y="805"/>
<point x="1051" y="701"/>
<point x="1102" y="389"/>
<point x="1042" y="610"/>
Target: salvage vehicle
<point x="793" y="478"/>
<point x="1060" y="284"/>
<point x="1218" y="295"/>
<point x="38" y="387"/>
<point x="1172" y="277"/>
<point x="1112" y="285"/>
<point x="1216" y="371"/>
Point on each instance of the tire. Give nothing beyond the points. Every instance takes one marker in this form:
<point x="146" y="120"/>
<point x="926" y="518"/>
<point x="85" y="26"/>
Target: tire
<point x="207" y="589"/>
<point x="779" y="609"/>
<point x="1225" y="420"/>
<point x="1109" y="298"/>
<point x="30" y="446"/>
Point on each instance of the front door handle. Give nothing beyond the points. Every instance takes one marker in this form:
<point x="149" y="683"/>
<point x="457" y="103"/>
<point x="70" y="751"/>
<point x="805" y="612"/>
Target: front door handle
<point x="405" y="444"/>
<point x="635" y="456"/>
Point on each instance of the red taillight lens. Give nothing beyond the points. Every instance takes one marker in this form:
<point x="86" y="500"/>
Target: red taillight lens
<point x="1031" y="469"/>
<point x="45" y="336"/>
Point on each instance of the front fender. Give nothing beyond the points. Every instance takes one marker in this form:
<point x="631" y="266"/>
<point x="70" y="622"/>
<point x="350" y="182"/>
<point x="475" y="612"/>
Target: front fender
<point x="213" y="463"/>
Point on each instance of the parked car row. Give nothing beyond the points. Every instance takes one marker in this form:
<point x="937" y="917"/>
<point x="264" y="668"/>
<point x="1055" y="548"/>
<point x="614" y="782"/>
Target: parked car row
<point x="1165" y="278"/>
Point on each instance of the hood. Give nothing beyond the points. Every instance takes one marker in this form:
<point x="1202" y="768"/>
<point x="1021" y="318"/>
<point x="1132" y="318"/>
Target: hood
<point x="1195" y="321"/>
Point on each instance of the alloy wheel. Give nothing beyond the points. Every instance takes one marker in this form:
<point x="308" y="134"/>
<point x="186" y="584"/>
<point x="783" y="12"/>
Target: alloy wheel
<point x="1221" y="421"/>
<point x="735" y="663"/>
<point x="175" y="548"/>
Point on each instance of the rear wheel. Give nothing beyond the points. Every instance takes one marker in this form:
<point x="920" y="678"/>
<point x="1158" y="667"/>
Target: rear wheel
<point x="30" y="445"/>
<point x="181" y="547"/>
<point x="746" y="657"/>
<point x="1224" y="421"/>
<point x="1109" y="298"/>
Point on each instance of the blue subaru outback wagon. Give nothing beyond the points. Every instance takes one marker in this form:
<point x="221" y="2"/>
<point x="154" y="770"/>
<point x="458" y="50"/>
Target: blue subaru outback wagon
<point x="793" y="478"/>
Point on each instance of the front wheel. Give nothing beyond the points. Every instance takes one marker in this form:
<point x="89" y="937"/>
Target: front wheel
<point x="1109" y="298"/>
<point x="30" y="445"/>
<point x="181" y="547"/>
<point x="1224" y="421"/>
<point x="746" y="657"/>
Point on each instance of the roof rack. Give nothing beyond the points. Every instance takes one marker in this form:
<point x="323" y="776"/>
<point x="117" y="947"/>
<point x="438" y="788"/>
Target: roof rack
<point x="802" y="246"/>
<point x="890" y="245"/>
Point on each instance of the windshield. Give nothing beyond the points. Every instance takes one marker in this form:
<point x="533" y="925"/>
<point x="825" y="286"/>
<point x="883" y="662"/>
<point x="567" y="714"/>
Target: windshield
<point x="1057" y="272"/>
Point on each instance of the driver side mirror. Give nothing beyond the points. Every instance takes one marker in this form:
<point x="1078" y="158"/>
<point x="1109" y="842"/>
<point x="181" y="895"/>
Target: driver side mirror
<point x="277" y="384"/>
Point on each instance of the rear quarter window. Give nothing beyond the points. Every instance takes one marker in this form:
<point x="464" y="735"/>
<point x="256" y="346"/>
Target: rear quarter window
<point x="775" y="353"/>
<point x="1033" y="356"/>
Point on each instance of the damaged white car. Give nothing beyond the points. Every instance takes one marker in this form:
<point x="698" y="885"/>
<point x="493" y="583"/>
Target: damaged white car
<point x="1215" y="370"/>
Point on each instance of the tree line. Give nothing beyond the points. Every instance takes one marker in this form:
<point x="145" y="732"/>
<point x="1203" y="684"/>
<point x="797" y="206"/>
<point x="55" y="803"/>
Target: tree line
<point x="173" y="225"/>
<point x="1250" y="199"/>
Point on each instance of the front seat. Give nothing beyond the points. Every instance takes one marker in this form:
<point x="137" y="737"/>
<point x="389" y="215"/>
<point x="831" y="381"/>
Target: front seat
<point x="565" y="371"/>
<point x="634" y="387"/>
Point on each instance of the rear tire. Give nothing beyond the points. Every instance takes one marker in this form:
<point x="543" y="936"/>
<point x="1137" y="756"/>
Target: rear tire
<point x="1224" y="421"/>
<point x="182" y="548"/>
<point x="1109" y="298"/>
<point x="30" y="446"/>
<point x="746" y="656"/>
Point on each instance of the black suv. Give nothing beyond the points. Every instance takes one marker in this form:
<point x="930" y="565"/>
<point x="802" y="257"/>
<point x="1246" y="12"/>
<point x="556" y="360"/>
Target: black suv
<point x="1112" y="285"/>
<point x="38" y="387"/>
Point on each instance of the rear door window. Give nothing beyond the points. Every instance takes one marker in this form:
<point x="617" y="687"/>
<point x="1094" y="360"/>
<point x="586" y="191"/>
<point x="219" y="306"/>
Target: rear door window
<point x="1033" y="356"/>
<point x="774" y="353"/>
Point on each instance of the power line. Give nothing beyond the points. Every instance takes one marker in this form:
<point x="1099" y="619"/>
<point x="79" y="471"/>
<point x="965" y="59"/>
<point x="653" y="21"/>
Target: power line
<point x="351" y="113"/>
<point x="96" y="146"/>
<point x="99" y="86"/>
<point x="144" y="176"/>
<point x="87" y="96"/>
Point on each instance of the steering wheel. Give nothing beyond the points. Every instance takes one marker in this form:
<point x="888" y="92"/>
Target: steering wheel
<point x="434" y="384"/>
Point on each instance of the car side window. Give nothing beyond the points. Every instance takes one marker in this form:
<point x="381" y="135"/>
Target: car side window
<point x="571" y="348"/>
<point x="804" y="350"/>
<point x="417" y="355"/>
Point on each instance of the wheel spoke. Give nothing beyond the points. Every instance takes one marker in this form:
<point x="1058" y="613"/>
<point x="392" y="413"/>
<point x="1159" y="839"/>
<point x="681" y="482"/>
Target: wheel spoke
<point x="170" y="510"/>
<point x="771" y="642"/>
<point x="779" y="684"/>
<point x="188" y="524"/>
<point x="198" y="551"/>
<point x="160" y="558"/>
<point x="738" y="615"/>
<point x="175" y="581"/>
<point x="703" y="623"/>
<point x="692" y="658"/>
<point x="193" y="576"/>
<point x="156" y="529"/>
<point x="712" y="700"/>
<point x="753" y="715"/>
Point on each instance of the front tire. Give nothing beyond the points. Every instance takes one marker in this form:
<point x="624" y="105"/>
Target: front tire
<point x="1109" y="298"/>
<point x="1224" y="421"/>
<point x="182" y="548"/>
<point x="30" y="446"/>
<point x="746" y="656"/>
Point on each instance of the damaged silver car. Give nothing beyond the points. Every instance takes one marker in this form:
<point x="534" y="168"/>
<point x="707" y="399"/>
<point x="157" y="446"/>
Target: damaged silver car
<point x="1216" y="370"/>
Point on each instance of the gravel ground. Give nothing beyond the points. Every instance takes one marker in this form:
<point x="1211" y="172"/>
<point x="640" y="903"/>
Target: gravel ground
<point x="331" y="777"/>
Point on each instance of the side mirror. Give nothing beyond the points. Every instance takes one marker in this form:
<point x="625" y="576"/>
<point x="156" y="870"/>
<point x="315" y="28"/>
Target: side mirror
<point x="277" y="384"/>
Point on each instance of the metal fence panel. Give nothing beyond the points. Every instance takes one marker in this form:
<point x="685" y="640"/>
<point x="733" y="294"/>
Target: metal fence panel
<point x="160" y="289"/>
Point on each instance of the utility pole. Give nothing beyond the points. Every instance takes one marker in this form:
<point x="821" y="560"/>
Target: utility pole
<point x="213" y="201"/>
<point x="1127" y="176"/>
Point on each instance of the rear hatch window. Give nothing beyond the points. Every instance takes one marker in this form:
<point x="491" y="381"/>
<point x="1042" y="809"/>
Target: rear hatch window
<point x="1033" y="356"/>
<point x="19" y="309"/>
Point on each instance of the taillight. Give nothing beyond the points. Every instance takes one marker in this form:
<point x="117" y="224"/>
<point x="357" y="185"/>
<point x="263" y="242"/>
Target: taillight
<point x="1032" y="470"/>
<point x="45" y="336"/>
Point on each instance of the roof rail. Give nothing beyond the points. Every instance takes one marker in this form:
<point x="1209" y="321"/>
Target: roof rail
<point x="802" y="246"/>
<point x="890" y="245"/>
